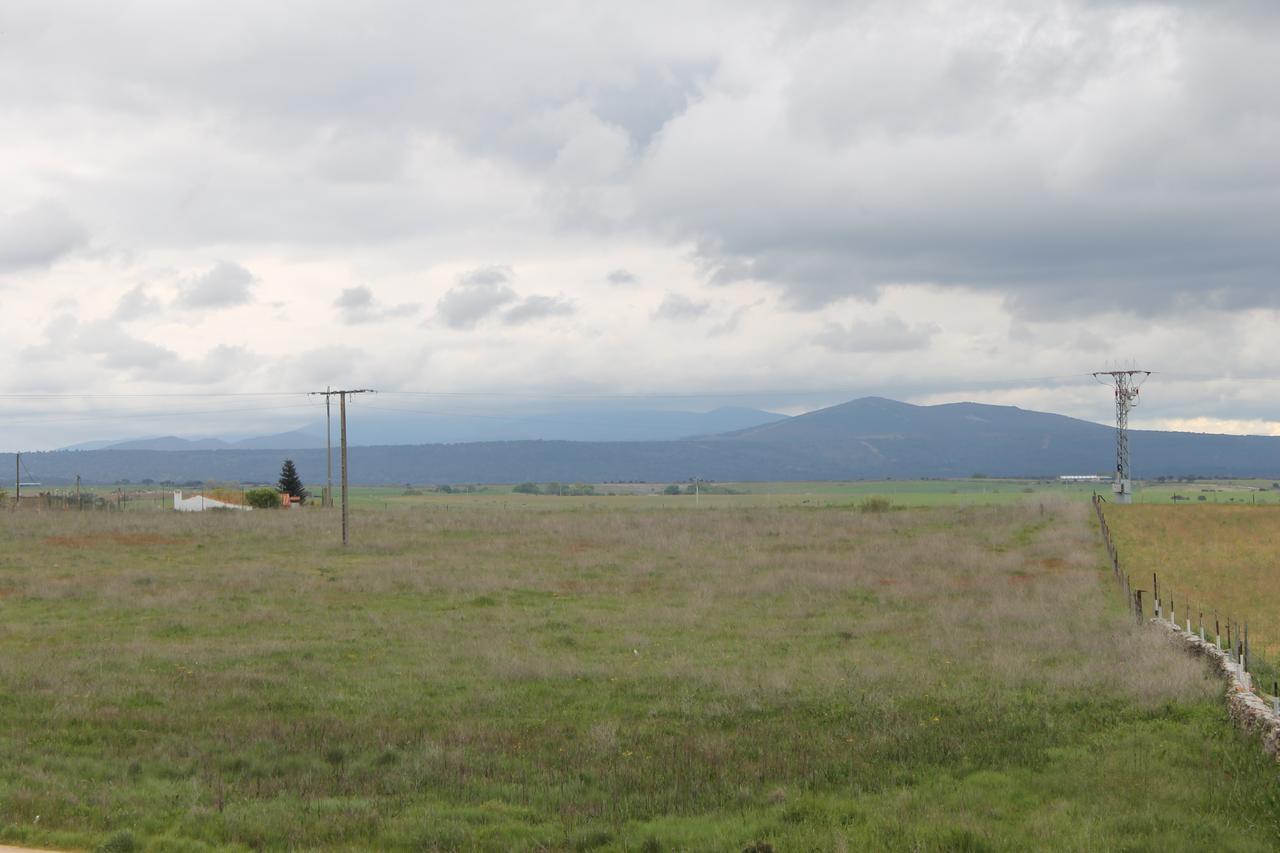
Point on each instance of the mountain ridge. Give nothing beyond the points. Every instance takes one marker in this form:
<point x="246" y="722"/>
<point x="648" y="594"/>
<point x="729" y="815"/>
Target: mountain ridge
<point x="869" y="438"/>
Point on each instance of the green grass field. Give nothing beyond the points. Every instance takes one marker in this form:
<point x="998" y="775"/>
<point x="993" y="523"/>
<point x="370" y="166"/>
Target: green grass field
<point x="482" y="672"/>
<point x="903" y="493"/>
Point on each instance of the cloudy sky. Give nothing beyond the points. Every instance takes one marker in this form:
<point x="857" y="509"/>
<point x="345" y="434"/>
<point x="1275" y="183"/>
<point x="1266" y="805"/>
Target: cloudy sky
<point x="693" y="204"/>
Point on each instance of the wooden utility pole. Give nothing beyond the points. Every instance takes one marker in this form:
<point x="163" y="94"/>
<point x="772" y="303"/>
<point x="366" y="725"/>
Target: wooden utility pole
<point x="342" y="427"/>
<point x="328" y="444"/>
<point x="17" y="480"/>
<point x="342" y="413"/>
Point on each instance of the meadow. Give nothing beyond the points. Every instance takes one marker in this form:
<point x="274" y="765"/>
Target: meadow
<point x="1223" y="558"/>
<point x="602" y="673"/>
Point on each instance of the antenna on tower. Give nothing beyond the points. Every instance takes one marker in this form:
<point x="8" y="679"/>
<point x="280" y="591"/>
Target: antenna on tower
<point x="1127" y="383"/>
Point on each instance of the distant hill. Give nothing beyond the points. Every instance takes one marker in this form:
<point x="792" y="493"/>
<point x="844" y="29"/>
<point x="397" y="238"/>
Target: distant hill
<point x="370" y="425"/>
<point x="870" y="438"/>
<point x="296" y="439"/>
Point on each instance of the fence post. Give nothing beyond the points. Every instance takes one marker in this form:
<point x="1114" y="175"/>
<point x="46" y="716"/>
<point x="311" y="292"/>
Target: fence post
<point x="1137" y="604"/>
<point x="1246" y="645"/>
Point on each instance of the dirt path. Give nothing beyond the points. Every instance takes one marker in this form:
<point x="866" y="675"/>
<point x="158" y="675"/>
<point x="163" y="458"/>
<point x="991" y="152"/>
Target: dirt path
<point x="4" y="848"/>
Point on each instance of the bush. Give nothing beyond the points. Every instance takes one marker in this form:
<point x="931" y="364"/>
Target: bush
<point x="527" y="489"/>
<point x="673" y="489"/>
<point x="875" y="503"/>
<point x="119" y="842"/>
<point x="263" y="498"/>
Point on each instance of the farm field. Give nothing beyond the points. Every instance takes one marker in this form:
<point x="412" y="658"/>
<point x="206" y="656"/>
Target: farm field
<point x="605" y="675"/>
<point x="903" y="493"/>
<point x="1209" y="556"/>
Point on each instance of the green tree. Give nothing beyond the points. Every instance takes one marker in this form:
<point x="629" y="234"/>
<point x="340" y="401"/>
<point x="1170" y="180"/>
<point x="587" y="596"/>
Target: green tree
<point x="527" y="489"/>
<point x="290" y="483"/>
<point x="263" y="498"/>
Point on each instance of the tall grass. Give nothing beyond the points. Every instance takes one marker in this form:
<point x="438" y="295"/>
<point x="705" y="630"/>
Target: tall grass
<point x="583" y="677"/>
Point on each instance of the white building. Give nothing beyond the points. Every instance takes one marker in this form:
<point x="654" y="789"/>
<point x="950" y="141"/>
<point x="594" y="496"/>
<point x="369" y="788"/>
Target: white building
<point x="199" y="503"/>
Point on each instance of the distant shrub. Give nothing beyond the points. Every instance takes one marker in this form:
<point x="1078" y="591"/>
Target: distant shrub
<point x="875" y="503"/>
<point x="263" y="498"/>
<point x="527" y="489"/>
<point x="673" y="489"/>
<point x="226" y="494"/>
<point x="119" y="842"/>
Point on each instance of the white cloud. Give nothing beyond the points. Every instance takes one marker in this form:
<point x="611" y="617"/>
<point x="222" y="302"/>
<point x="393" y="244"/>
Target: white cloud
<point x="886" y="335"/>
<point x="677" y="306"/>
<point x="224" y="286"/>
<point x="357" y="305"/>
<point x="136" y="303"/>
<point x="533" y="308"/>
<point x="478" y="294"/>
<point x="38" y="235"/>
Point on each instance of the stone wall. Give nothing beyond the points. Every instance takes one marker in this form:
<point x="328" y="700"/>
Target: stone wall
<point x="1248" y="710"/>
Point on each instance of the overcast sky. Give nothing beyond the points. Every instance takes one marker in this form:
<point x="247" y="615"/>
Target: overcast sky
<point x="784" y="205"/>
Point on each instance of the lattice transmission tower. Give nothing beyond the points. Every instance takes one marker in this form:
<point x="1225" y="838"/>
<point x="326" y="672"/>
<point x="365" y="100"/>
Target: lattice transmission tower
<point x="1127" y="383"/>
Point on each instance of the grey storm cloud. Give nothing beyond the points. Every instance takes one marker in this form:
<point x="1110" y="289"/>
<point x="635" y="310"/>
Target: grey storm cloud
<point x="1041" y="157"/>
<point x="891" y="334"/>
<point x="1066" y="156"/>
<point x="622" y="278"/>
<point x="357" y="305"/>
<point x="38" y="235"/>
<point x="226" y="285"/>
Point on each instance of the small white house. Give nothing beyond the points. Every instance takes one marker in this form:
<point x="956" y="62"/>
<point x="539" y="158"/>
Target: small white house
<point x="199" y="503"/>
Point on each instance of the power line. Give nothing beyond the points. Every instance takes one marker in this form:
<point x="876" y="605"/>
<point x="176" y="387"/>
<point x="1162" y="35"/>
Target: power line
<point x="99" y="414"/>
<point x="155" y="395"/>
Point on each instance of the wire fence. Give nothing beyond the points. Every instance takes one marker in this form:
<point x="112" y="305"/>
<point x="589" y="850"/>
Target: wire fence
<point x="1229" y="634"/>
<point x="77" y="500"/>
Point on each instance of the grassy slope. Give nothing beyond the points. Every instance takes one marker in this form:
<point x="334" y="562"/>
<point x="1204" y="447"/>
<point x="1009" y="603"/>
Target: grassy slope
<point x="636" y="677"/>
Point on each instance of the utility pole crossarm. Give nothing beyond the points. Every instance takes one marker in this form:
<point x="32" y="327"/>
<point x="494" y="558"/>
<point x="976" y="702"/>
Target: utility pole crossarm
<point x="1127" y="383"/>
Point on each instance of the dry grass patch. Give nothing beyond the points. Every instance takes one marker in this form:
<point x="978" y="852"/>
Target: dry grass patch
<point x="1211" y="557"/>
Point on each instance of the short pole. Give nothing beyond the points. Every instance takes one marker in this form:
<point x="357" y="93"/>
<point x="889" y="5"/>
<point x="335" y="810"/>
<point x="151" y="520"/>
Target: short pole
<point x="1245" y="659"/>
